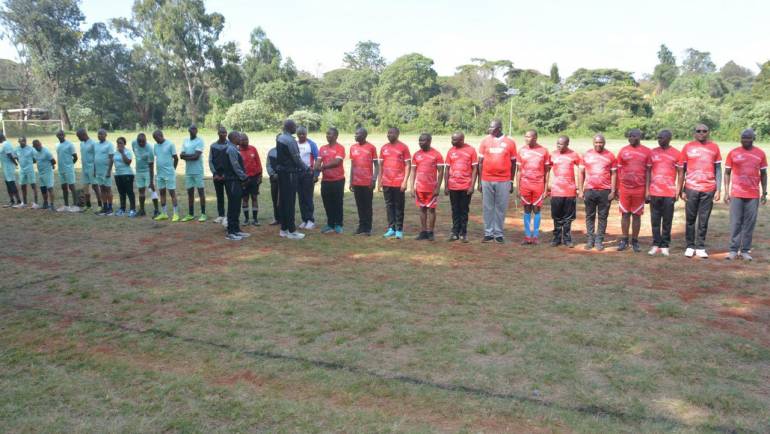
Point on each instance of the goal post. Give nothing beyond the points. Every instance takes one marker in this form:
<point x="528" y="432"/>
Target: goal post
<point x="31" y="127"/>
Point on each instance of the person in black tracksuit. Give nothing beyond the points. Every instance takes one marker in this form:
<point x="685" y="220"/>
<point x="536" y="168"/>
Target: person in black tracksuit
<point x="271" y="162"/>
<point x="288" y="165"/>
<point x="219" y="183"/>
<point x="227" y="165"/>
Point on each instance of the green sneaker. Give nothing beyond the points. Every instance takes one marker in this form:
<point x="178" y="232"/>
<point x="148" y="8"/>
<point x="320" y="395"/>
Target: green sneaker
<point x="202" y="218"/>
<point x="188" y="218"/>
<point x="161" y="216"/>
<point x="175" y="218"/>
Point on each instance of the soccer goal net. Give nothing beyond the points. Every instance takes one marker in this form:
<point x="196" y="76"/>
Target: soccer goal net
<point x="31" y="127"/>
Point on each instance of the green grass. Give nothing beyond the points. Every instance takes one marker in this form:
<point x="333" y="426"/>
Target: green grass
<point x="119" y="325"/>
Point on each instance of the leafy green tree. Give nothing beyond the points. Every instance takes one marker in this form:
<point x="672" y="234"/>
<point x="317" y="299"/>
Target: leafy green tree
<point x="555" y="77"/>
<point x="308" y="119"/>
<point x="365" y="56"/>
<point x="681" y="114"/>
<point x="341" y="86"/>
<point x="736" y="77"/>
<point x="704" y="85"/>
<point x="49" y="32"/>
<point x="697" y="62"/>
<point x="264" y="63"/>
<point x="404" y="85"/>
<point x="666" y="70"/>
<point x="478" y="81"/>
<point x="761" y="86"/>
<point x="593" y="78"/>
<point x="250" y="115"/>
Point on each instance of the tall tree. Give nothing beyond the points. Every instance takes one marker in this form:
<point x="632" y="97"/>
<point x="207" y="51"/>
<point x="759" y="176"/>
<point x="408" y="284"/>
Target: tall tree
<point x="366" y="55"/>
<point x="49" y="32"/>
<point x="736" y="77"/>
<point x="666" y="70"/>
<point x="181" y="35"/>
<point x="698" y="62"/>
<point x="555" y="78"/>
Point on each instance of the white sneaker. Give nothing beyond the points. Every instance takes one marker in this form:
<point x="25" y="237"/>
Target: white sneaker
<point x="224" y="221"/>
<point x="302" y="225"/>
<point x="283" y="234"/>
<point x="701" y="253"/>
<point x="74" y="208"/>
<point x="664" y="251"/>
<point x="310" y="225"/>
<point x="731" y="256"/>
<point x="20" y="205"/>
<point x="243" y="234"/>
<point x="689" y="252"/>
<point x="34" y="206"/>
<point x="63" y="209"/>
<point x="653" y="251"/>
<point x="746" y="256"/>
<point x="233" y="237"/>
<point x="295" y="236"/>
<point x="218" y="220"/>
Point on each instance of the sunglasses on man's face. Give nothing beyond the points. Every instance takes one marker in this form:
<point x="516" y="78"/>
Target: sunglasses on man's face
<point x="701" y="131"/>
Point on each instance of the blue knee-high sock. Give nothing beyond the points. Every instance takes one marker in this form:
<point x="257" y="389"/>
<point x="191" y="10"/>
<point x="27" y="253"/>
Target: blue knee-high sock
<point x="536" y="230"/>
<point x="527" y="219"/>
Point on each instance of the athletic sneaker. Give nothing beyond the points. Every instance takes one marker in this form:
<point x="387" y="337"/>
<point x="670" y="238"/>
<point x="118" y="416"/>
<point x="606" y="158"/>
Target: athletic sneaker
<point x="161" y="217"/>
<point x="219" y="219"/>
<point x="274" y="223"/>
<point x="423" y="236"/>
<point x="132" y="213"/>
<point x="701" y="253"/>
<point x="431" y="237"/>
<point x="326" y="229"/>
<point x="599" y="245"/>
<point x="8" y="205"/>
<point x="570" y="244"/>
<point x="635" y="246"/>
<point x="746" y="256"/>
<point x="283" y="234"/>
<point x="156" y="213"/>
<point x="301" y="225"/>
<point x="202" y="218"/>
<point x="255" y="222"/>
<point x="141" y="213"/>
<point x="295" y="236"/>
<point x="399" y="235"/>
<point x="243" y="234"/>
<point x="689" y="252"/>
<point x="589" y="244"/>
<point x="87" y="208"/>
<point x="107" y="213"/>
<point x="390" y="233"/>
<point x="555" y="242"/>
<point x="732" y="256"/>
<point x="224" y="221"/>
<point x="464" y="238"/>
<point x="188" y="218"/>
<point x="233" y="237"/>
<point x="63" y="209"/>
<point x="120" y="213"/>
<point x="34" y="206"/>
<point x="653" y="251"/>
<point x="526" y="241"/>
<point x="175" y="218"/>
<point x="20" y="205"/>
<point x="623" y="245"/>
<point x="499" y="240"/>
<point x="453" y="237"/>
<point x="664" y="251"/>
<point x="487" y="239"/>
<point x="338" y="229"/>
<point x="310" y="225"/>
<point x="534" y="241"/>
<point x="75" y="208"/>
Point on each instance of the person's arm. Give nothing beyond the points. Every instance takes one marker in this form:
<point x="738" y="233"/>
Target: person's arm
<point x="110" y="162"/>
<point x="647" y="178"/>
<point x="474" y="176"/>
<point x="74" y="158"/>
<point x="376" y="174"/>
<point x="547" y="179"/>
<point x="176" y="160"/>
<point x="350" y="173"/>
<point x="211" y="163"/>
<point x="680" y="174"/>
<point x="513" y="173"/>
<point x="718" y="180"/>
<point x="614" y="184"/>
<point x="763" y="182"/>
<point x="517" y="177"/>
<point x="446" y="180"/>
<point x="53" y="163"/>
<point x="479" y="170"/>
<point x="151" y="167"/>
<point x="410" y="178"/>
<point x="408" y="174"/>
<point x="293" y="148"/>
<point x="440" y="179"/>
<point x="728" y="173"/>
<point x="379" y="177"/>
<point x="233" y="155"/>
<point x="125" y="159"/>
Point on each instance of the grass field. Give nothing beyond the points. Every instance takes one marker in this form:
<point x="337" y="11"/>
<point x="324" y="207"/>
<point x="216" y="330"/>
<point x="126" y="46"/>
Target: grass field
<point x="127" y="325"/>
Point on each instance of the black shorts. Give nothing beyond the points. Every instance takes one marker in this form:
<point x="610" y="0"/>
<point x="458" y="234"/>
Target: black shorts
<point x="251" y="186"/>
<point x="11" y="186"/>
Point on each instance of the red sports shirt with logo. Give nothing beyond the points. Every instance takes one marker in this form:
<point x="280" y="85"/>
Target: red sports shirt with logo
<point x="664" y="167"/>
<point x="329" y="153"/>
<point x="532" y="163"/>
<point x="460" y="161"/>
<point x="632" y="163"/>
<point x="394" y="157"/>
<point x="700" y="159"/>
<point x="745" y="169"/>
<point x="498" y="154"/>
<point x="362" y="157"/>
<point x="426" y="164"/>
<point x="563" y="173"/>
<point x="598" y="167"/>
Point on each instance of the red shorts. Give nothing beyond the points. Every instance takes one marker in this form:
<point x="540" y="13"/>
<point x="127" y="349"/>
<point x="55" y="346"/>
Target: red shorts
<point x="532" y="195"/>
<point x="631" y="203"/>
<point x="425" y="199"/>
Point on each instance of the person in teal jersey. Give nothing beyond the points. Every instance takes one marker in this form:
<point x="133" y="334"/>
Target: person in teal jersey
<point x="45" y="164"/>
<point x="124" y="179"/>
<point x="166" y="161"/>
<point x="67" y="157"/>
<point x="192" y="154"/>
<point x="145" y="171"/>
<point x="26" y="158"/>
<point x="9" y="162"/>
<point x="87" y="147"/>
<point x="104" y="153"/>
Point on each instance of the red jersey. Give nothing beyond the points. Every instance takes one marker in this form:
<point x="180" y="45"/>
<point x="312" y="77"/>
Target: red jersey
<point x="664" y="166"/>
<point x="498" y="154"/>
<point x="394" y="159"/>
<point x="252" y="165"/>
<point x="459" y="162"/>
<point x="563" y="173"/>
<point x="632" y="164"/>
<point x="599" y="167"/>
<point x="700" y="159"/>
<point x="329" y="153"/>
<point x="426" y="166"/>
<point x="362" y="158"/>
<point x="745" y="171"/>
<point x="532" y="163"/>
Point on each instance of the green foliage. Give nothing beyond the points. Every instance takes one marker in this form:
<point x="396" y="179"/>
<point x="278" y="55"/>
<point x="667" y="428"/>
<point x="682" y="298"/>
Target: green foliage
<point x="736" y="77"/>
<point x="341" y="86"/>
<point x="681" y="114"/>
<point x="698" y="62"/>
<point x="406" y="83"/>
<point x="250" y="115"/>
<point x="308" y="119"/>
<point x="592" y="78"/>
<point x="366" y="56"/>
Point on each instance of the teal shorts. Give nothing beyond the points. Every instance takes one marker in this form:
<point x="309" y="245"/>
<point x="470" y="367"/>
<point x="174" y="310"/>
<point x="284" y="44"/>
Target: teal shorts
<point x="88" y="174"/>
<point x="9" y="173"/>
<point x="67" y="176"/>
<point x="193" y="181"/>
<point x="46" y="179"/>
<point x="167" y="182"/>
<point x="27" y="177"/>
<point x="142" y="179"/>
<point x="104" y="181"/>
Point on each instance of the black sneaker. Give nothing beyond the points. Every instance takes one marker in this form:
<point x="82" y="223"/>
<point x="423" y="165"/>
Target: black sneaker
<point x="569" y="244"/>
<point x="155" y="213"/>
<point x="423" y="236"/>
<point x="275" y="223"/>
<point x="141" y="213"/>
<point x="255" y="222"/>
<point x="555" y="242"/>
<point x="635" y="246"/>
<point x="488" y="239"/>
<point x="358" y="231"/>
<point x="623" y="245"/>
<point x="453" y="237"/>
<point x="499" y="240"/>
<point x="430" y="237"/>
<point x="464" y="238"/>
<point x="589" y="244"/>
<point x="599" y="245"/>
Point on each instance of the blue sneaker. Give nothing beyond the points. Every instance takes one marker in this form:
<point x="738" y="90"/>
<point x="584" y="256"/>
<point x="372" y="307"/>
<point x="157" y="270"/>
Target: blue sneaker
<point x="390" y="233"/>
<point x="327" y="229"/>
<point x="132" y="213"/>
<point x="338" y="229"/>
<point x="399" y="235"/>
<point x="120" y="213"/>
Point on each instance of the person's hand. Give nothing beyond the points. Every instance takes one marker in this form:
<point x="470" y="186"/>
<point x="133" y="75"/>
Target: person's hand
<point x="548" y="192"/>
<point x="480" y="189"/>
<point x="581" y="195"/>
<point x="151" y="186"/>
<point x="727" y="198"/>
<point x="647" y="198"/>
<point x="411" y="193"/>
<point x="446" y="192"/>
<point x="350" y="188"/>
<point x="436" y="192"/>
<point x="510" y="190"/>
<point x="403" y="187"/>
<point x="379" y="188"/>
<point x="315" y="179"/>
<point x="717" y="195"/>
<point x="470" y="191"/>
<point x="763" y="199"/>
<point x="274" y="177"/>
<point x="613" y="195"/>
<point x="683" y="196"/>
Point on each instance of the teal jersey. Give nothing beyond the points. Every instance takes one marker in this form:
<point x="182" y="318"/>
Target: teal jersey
<point x="64" y="152"/>
<point x="102" y="152"/>
<point x="164" y="161"/>
<point x="87" y="149"/>
<point x="26" y="156"/>
<point x="190" y="147"/>
<point x="44" y="160"/>
<point x="122" y="168"/>
<point x="144" y="156"/>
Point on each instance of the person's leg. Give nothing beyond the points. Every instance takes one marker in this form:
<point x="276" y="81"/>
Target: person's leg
<point x="636" y="225"/>
<point x="400" y="203"/>
<point x="502" y="194"/>
<point x="34" y="193"/>
<point x="465" y="205"/>
<point x="423" y="219"/>
<point x="667" y="220"/>
<point x="569" y="209"/>
<point x="691" y="215"/>
<point x="431" y="220"/>
<point x="142" y="197"/>
<point x="704" y="213"/>
<point x="65" y="194"/>
<point x="390" y="210"/>
<point x="592" y="204"/>
<point x="233" y="207"/>
<point x="750" y="211"/>
<point x="219" y="189"/>
<point x="454" y="201"/>
<point x="656" y="215"/>
<point x="326" y="199"/>
<point x="163" y="201"/>
<point x="488" y="207"/>
<point x="274" y="199"/>
<point x="130" y="192"/>
<point x="98" y="194"/>
<point x="603" y="212"/>
<point x="287" y="200"/>
<point x="358" y="196"/>
<point x="202" y="200"/>
<point x="625" y="223"/>
<point x="527" y="218"/>
<point x="339" y="197"/>
<point x="245" y="205"/>
<point x="736" y="224"/>
<point x="24" y="193"/>
<point x="191" y="201"/>
<point x="557" y="211"/>
<point x="306" y="190"/>
<point x="536" y="221"/>
<point x="120" y="185"/>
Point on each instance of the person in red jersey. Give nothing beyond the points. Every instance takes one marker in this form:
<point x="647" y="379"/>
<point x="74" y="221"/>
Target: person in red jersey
<point x="598" y="177"/>
<point x="330" y="163"/>
<point x="459" y="178"/>
<point x="252" y="165"/>
<point x="746" y="170"/>
<point x="662" y="193"/>
<point x="633" y="179"/>
<point x="701" y="171"/>
<point x="534" y="166"/>
<point x="396" y="167"/>
<point x="497" y="165"/>
<point x="364" y="170"/>
<point x="564" y="191"/>
<point x="427" y="174"/>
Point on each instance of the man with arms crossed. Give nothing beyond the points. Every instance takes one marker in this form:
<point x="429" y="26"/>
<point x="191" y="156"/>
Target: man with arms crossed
<point x="87" y="146"/>
<point x="144" y="154"/>
<point x="67" y="157"/>
<point x="166" y="161"/>
<point x="104" y="152"/>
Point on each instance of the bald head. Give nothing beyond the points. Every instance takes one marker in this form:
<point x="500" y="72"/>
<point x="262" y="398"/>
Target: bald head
<point x="290" y="126"/>
<point x="496" y="128"/>
<point x="747" y="138"/>
<point x="458" y="139"/>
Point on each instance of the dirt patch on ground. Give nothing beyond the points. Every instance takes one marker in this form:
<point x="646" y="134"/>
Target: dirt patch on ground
<point x="738" y="312"/>
<point x="731" y="327"/>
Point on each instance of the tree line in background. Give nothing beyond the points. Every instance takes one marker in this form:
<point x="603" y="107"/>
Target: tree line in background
<point x="167" y="66"/>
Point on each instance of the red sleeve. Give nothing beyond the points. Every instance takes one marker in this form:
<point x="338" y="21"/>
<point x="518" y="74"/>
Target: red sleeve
<point x="407" y="155"/>
<point x="512" y="150"/>
<point x="718" y="155"/>
<point x="474" y="157"/>
<point x="614" y="164"/>
<point x="547" y="158"/>
<point x="341" y="152"/>
<point x="381" y="157"/>
<point x="763" y="163"/>
<point x="440" y="158"/>
<point x="373" y="151"/>
<point x="448" y="159"/>
<point x="683" y="156"/>
<point x="729" y="161"/>
<point x="483" y="148"/>
<point x="578" y="159"/>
